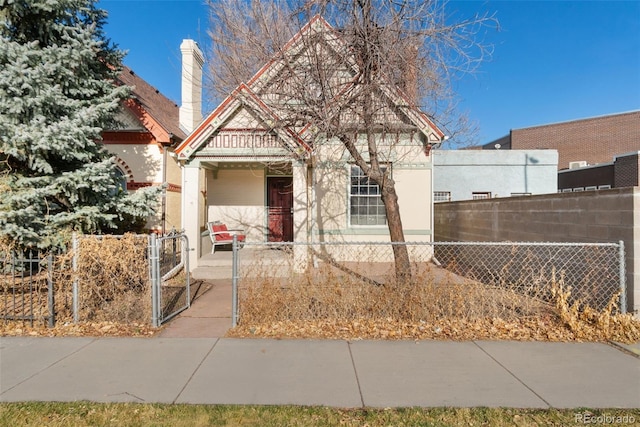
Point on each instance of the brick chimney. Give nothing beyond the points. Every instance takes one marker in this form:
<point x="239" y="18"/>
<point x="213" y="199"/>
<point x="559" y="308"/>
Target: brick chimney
<point x="191" y="108"/>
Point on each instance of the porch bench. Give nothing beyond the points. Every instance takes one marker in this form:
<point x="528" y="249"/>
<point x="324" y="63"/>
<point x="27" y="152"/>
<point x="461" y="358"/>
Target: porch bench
<point x="221" y="235"/>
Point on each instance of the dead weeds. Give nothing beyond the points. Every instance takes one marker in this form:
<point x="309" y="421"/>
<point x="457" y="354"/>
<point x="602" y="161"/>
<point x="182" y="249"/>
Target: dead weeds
<point x="327" y="304"/>
<point x="84" y="329"/>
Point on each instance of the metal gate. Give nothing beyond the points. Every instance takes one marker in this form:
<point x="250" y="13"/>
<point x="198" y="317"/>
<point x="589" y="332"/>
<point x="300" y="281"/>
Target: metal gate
<point x="26" y="287"/>
<point x="169" y="273"/>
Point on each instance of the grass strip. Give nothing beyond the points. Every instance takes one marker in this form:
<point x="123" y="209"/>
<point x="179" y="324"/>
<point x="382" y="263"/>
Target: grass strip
<point x="53" y="414"/>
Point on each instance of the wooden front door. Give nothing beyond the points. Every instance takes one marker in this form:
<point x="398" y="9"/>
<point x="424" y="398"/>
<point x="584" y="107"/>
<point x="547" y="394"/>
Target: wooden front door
<point x="280" y="205"/>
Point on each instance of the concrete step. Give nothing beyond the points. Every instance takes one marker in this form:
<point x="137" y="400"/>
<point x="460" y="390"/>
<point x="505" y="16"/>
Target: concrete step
<point x="211" y="273"/>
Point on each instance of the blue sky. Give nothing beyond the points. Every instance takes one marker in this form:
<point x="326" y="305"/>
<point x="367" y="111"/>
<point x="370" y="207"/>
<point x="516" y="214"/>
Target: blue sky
<point x="553" y="61"/>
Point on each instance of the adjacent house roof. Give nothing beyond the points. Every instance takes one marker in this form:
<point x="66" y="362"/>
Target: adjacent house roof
<point x="254" y="95"/>
<point x="593" y="140"/>
<point x="156" y="112"/>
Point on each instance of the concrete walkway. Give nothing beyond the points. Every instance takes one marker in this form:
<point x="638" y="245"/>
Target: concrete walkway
<point x="209" y="315"/>
<point x="313" y="372"/>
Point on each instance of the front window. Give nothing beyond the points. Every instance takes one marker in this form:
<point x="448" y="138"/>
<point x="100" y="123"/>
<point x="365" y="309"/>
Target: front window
<point x="366" y="207"/>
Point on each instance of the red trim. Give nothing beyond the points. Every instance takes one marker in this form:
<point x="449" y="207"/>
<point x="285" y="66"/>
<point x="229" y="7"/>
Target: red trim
<point x="127" y="137"/>
<point x="152" y="125"/>
<point x="174" y="188"/>
<point x="206" y="123"/>
<point x="124" y="167"/>
<point x="247" y="91"/>
<point x="274" y="116"/>
<point x="288" y="45"/>
<point x="243" y="130"/>
<point x="135" y="185"/>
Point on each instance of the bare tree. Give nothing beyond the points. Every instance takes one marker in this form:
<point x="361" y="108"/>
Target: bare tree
<point x="335" y="79"/>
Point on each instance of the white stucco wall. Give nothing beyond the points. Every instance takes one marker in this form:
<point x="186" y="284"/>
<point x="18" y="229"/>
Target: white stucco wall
<point x="499" y="172"/>
<point x="236" y="197"/>
<point x="145" y="161"/>
<point x="411" y="170"/>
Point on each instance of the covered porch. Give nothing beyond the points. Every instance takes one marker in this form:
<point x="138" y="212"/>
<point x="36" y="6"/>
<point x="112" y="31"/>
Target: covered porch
<point x="267" y="198"/>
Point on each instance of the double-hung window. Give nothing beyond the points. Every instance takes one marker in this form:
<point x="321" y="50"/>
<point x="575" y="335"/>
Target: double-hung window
<point x="366" y="207"/>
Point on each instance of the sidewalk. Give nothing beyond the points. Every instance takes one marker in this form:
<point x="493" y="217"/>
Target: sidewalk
<point x="310" y="372"/>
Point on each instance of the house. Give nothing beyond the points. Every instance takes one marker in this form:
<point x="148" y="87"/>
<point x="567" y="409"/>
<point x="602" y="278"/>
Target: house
<point x="585" y="149"/>
<point x="482" y="174"/>
<point x="293" y="183"/>
<point x="142" y="146"/>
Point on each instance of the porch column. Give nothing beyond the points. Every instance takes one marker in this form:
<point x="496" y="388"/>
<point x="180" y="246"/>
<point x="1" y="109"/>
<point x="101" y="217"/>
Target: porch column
<point x="300" y="215"/>
<point x="191" y="208"/>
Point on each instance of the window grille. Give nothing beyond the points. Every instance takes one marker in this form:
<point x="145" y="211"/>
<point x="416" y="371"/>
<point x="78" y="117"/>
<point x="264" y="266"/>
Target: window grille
<point x="441" y="196"/>
<point x="366" y="207"/>
<point x="480" y="195"/>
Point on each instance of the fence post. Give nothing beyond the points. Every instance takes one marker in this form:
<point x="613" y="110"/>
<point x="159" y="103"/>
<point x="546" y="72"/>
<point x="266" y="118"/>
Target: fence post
<point x="75" y="304"/>
<point x="51" y="299"/>
<point x="153" y="262"/>
<point x="234" y="282"/>
<point x="623" y="278"/>
<point x="185" y="255"/>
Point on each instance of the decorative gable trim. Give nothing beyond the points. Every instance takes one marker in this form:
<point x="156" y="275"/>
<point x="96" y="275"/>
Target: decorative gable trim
<point x="298" y="143"/>
<point x="242" y="97"/>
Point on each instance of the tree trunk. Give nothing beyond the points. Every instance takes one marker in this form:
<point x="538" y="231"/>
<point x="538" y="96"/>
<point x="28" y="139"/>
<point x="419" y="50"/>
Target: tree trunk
<point x="396" y="234"/>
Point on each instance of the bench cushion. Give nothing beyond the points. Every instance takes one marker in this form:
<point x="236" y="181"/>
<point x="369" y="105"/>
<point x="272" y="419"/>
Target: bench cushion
<point x="224" y="237"/>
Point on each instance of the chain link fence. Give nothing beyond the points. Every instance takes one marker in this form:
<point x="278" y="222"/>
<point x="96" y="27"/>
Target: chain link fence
<point x="98" y="279"/>
<point x="294" y="281"/>
<point x="170" y="281"/>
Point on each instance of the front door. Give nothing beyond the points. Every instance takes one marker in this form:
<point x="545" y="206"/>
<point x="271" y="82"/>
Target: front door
<point x="280" y="207"/>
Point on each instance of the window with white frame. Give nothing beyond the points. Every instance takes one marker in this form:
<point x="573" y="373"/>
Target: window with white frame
<point x="442" y="196"/>
<point x="478" y="195"/>
<point x="366" y="207"/>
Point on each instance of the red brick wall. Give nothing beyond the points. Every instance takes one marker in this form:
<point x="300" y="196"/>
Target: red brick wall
<point x="596" y="140"/>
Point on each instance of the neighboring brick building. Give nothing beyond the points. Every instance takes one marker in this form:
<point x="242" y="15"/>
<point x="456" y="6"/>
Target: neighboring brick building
<point x="585" y="149"/>
<point x="592" y="140"/>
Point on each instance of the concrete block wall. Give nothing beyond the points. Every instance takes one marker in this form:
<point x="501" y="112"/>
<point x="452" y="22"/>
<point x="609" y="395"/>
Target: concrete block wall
<point x="590" y="216"/>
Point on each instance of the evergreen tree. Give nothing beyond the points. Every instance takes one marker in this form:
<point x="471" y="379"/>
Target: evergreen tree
<point x="58" y="92"/>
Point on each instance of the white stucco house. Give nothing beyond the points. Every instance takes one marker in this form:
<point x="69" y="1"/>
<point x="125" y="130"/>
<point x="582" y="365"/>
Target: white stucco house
<point x="142" y="147"/>
<point x="487" y="174"/>
<point x="286" y="183"/>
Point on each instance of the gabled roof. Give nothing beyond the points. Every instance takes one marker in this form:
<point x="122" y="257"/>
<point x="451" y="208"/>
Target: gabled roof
<point x="248" y="95"/>
<point x="241" y="97"/>
<point x="155" y="111"/>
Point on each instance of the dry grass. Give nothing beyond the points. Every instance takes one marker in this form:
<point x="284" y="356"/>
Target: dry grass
<point x="113" y="280"/>
<point x="329" y="303"/>
<point x="113" y="283"/>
